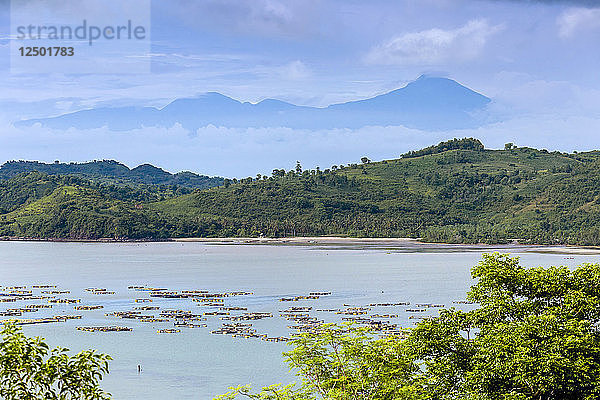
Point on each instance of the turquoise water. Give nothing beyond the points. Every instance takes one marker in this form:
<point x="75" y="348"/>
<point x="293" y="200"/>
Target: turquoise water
<point x="194" y="364"/>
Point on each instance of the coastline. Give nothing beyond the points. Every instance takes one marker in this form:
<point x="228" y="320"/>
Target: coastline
<point x="395" y="243"/>
<point x="339" y="242"/>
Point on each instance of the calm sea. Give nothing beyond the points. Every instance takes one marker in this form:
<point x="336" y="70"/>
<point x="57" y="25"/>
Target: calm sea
<point x="195" y="364"/>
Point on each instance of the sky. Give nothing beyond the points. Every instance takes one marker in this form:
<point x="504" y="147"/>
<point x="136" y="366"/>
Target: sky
<point x="539" y="61"/>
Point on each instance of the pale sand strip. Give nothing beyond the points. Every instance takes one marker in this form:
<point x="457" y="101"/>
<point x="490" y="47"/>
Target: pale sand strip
<point x="373" y="243"/>
<point x="404" y="243"/>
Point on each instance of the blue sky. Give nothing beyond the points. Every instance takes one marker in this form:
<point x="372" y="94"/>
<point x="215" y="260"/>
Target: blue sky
<point x="538" y="60"/>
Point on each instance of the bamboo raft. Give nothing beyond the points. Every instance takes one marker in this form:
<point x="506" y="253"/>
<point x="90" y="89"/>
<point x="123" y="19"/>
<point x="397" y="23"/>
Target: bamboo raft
<point x="104" y="329"/>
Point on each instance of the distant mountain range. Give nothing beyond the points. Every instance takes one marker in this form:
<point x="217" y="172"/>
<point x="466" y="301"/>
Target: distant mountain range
<point x="427" y="103"/>
<point x="112" y="172"/>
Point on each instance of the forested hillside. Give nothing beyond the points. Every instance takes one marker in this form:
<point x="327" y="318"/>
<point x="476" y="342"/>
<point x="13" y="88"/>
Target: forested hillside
<point x="455" y="192"/>
<point x="110" y="171"/>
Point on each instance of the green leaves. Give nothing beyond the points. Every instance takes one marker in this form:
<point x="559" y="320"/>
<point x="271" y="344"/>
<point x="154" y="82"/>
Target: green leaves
<point x="273" y="392"/>
<point x="30" y="371"/>
<point x="538" y="335"/>
<point x="346" y="360"/>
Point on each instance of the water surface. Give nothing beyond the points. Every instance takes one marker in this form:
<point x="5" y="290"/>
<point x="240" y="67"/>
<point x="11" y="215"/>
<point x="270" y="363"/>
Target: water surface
<point x="195" y="364"/>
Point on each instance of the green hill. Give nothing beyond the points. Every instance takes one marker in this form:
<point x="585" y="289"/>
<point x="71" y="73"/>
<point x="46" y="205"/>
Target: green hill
<point x="113" y="172"/>
<point x="454" y="192"/>
<point x="37" y="205"/>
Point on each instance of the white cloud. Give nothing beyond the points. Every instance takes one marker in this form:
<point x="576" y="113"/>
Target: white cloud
<point x="575" y="19"/>
<point x="435" y="46"/>
<point x="295" y="70"/>
<point x="517" y="94"/>
<point x="245" y="152"/>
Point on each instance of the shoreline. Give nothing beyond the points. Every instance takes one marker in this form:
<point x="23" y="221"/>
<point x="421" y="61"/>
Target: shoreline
<point x="339" y="241"/>
<point x="396" y="243"/>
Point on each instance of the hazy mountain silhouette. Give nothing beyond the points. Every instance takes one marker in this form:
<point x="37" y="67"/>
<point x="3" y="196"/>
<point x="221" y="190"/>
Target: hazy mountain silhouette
<point x="428" y="103"/>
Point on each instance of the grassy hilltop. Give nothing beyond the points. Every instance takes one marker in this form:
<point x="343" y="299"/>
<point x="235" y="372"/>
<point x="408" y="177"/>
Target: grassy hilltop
<point x="455" y="192"/>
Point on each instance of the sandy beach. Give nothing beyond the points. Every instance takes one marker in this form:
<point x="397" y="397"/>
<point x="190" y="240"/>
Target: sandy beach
<point x="396" y="243"/>
<point x="406" y="244"/>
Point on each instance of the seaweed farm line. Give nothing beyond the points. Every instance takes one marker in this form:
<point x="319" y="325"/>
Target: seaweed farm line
<point x="203" y="305"/>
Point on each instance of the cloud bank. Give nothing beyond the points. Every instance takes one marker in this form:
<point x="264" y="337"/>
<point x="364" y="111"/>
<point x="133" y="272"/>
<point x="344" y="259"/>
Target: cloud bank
<point x="238" y="153"/>
<point x="435" y="46"/>
<point x="574" y="20"/>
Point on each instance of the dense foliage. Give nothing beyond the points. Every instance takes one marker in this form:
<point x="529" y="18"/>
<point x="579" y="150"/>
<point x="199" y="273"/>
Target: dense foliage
<point x="463" y="195"/>
<point x="113" y="172"/>
<point x="29" y="370"/>
<point x="534" y="336"/>
<point x="454" y="144"/>
<point x="38" y="205"/>
<point x="457" y="196"/>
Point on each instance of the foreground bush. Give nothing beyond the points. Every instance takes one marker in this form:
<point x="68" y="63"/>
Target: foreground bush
<point x="30" y="371"/>
<point x="534" y="336"/>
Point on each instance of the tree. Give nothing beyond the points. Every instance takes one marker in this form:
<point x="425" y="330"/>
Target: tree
<point x="538" y="331"/>
<point x="534" y="336"/>
<point x="365" y="160"/>
<point x="454" y="144"/>
<point x="273" y="392"/>
<point x="509" y="146"/>
<point x="29" y="370"/>
<point x="278" y="173"/>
